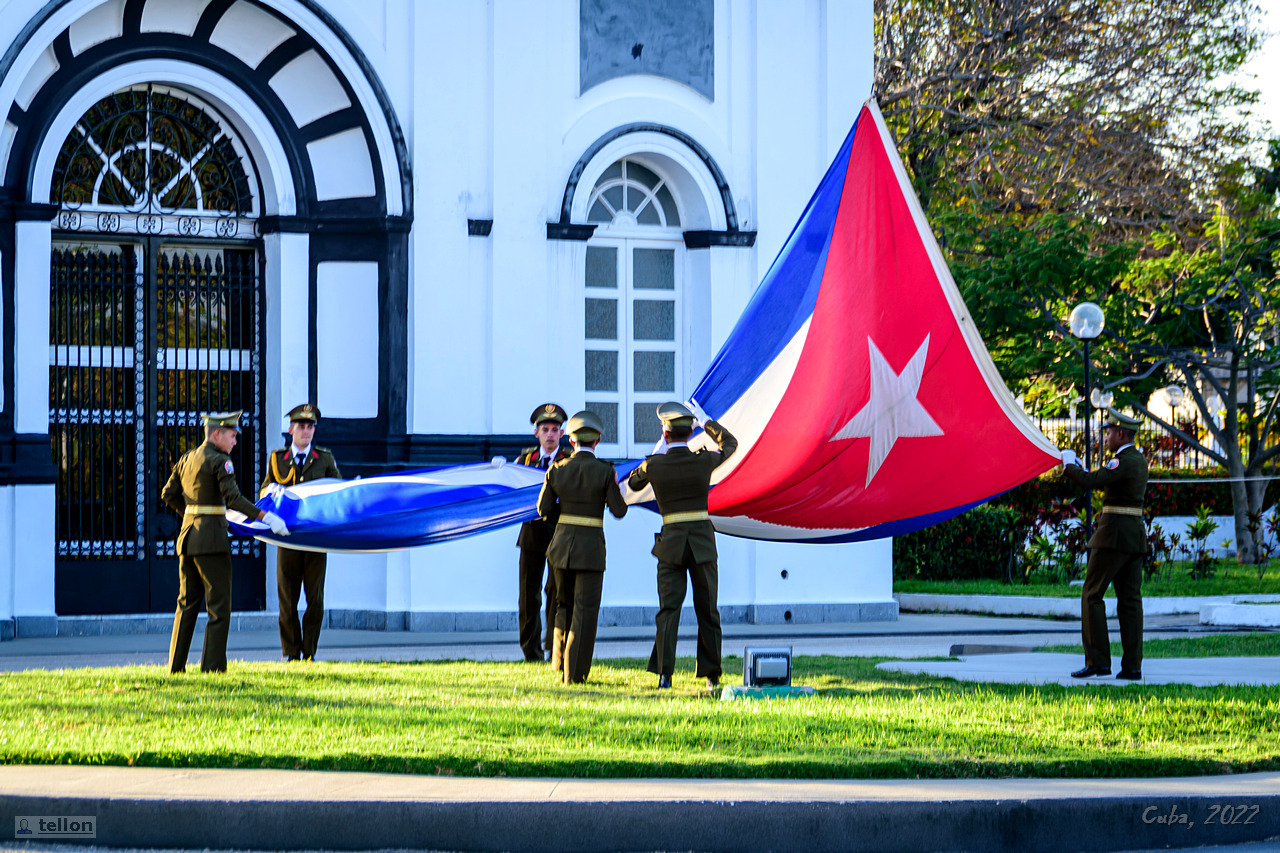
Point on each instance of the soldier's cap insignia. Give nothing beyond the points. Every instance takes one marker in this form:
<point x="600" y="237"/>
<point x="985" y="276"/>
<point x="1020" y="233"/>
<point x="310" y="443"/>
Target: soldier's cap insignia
<point x="305" y="412"/>
<point x="548" y="412"/>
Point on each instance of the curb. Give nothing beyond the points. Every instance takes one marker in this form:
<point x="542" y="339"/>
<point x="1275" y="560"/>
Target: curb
<point x="359" y="811"/>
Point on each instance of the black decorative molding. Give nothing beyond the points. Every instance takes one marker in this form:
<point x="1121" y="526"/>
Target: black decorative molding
<point x="479" y="227"/>
<point x="136" y="45"/>
<point x="334" y="225"/>
<point x="571" y="187"/>
<point x="26" y="460"/>
<point x="570" y="231"/>
<point x="358" y="455"/>
<point x="707" y="239"/>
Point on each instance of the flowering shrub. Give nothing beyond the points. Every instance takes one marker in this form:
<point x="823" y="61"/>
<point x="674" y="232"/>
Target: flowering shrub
<point x="981" y="543"/>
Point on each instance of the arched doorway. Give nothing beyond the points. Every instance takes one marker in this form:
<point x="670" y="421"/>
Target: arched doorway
<point x="156" y="315"/>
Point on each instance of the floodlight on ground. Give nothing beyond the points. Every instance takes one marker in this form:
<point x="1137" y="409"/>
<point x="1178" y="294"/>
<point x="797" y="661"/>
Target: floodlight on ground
<point x="766" y="666"/>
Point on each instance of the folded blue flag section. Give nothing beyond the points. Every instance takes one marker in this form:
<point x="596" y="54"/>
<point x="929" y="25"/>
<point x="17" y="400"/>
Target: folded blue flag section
<point x="394" y="511"/>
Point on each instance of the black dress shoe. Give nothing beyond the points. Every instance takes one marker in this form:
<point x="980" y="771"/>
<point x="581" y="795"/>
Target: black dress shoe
<point x="712" y="682"/>
<point x="1090" y="671"/>
<point x="664" y="682"/>
<point x="1130" y="674"/>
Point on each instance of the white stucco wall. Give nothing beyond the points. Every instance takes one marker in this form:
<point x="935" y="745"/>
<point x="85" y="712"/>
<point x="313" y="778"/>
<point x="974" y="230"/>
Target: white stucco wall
<point x="487" y="96"/>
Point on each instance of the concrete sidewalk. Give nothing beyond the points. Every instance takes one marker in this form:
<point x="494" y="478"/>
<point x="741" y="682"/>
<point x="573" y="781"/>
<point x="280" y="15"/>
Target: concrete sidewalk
<point x="911" y="635"/>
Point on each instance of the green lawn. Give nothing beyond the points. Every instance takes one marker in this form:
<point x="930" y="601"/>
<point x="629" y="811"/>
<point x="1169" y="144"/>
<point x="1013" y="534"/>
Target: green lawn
<point x="494" y="719"/>
<point x="1172" y="579"/>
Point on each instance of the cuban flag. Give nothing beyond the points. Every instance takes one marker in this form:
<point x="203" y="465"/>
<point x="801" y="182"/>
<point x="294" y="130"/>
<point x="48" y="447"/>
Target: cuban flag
<point x="864" y="402"/>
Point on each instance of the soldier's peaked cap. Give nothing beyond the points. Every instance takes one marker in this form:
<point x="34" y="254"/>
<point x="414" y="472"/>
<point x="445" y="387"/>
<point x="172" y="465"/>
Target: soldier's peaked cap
<point x="223" y="419"/>
<point x="1120" y="419"/>
<point x="305" y="412"/>
<point x="585" y="426"/>
<point x="675" y="415"/>
<point x="548" y="412"/>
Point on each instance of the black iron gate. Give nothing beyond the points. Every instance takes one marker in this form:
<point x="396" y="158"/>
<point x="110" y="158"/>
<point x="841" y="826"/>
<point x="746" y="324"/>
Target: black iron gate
<point x="144" y="337"/>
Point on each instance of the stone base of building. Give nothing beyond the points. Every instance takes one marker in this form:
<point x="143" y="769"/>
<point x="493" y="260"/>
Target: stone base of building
<point x="445" y="622"/>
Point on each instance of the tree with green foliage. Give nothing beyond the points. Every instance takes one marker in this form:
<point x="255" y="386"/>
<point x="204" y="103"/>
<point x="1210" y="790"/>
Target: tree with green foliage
<point x="1072" y="150"/>
<point x="1113" y="110"/>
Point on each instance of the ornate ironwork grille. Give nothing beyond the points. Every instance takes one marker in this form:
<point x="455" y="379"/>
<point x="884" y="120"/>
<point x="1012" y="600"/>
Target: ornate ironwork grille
<point x="151" y="160"/>
<point x="146" y="334"/>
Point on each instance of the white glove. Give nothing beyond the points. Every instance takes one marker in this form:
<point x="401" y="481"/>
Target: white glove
<point x="498" y="461"/>
<point x="276" y="523"/>
<point x="699" y="415"/>
<point x="1069" y="458"/>
<point x="274" y="490"/>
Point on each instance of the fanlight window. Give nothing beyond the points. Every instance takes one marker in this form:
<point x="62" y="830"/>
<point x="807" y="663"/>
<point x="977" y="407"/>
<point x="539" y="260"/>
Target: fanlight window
<point x="152" y="151"/>
<point x="631" y="194"/>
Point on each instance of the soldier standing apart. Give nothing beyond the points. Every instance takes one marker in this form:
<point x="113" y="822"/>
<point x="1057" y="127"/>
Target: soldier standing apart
<point x="574" y="496"/>
<point x="1117" y="550"/>
<point x="535" y="536"/>
<point x="687" y="543"/>
<point x="201" y="489"/>
<point x="300" y="462"/>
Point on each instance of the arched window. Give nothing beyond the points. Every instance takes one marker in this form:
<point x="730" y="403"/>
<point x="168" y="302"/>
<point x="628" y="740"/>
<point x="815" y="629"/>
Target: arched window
<point x="153" y="160"/>
<point x="630" y="193"/>
<point x="634" y="321"/>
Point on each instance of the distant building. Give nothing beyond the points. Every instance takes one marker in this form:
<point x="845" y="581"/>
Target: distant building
<point x="425" y="217"/>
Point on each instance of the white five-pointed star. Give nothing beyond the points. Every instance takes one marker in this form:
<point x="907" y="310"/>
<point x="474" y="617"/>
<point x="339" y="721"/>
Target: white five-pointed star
<point x="893" y="412"/>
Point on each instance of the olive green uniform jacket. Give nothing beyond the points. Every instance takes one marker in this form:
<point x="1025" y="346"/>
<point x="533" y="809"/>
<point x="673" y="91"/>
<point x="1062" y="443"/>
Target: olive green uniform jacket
<point x="1123" y="481"/>
<point x="680" y="479"/>
<point x="536" y="534"/>
<point x="283" y="469"/>
<point x="583" y="486"/>
<point x="205" y="477"/>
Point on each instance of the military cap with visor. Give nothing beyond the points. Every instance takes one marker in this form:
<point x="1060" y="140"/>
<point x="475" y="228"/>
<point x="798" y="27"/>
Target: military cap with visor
<point x="305" y="412"/>
<point x="1120" y="419"/>
<point x="548" y="412"/>
<point x="230" y="420"/>
<point x="585" y="427"/>
<point x="674" y="414"/>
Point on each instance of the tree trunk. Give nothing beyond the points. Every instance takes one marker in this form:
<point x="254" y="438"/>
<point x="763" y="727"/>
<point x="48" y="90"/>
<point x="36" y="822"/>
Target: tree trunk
<point x="1241" y="506"/>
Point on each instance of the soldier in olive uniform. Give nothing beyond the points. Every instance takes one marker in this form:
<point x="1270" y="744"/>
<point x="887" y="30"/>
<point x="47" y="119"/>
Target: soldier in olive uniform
<point x="201" y="489"/>
<point x="1117" y="550"/>
<point x="535" y="536"/>
<point x="300" y="462"/>
<point x="680" y="479"/>
<point x="574" y="496"/>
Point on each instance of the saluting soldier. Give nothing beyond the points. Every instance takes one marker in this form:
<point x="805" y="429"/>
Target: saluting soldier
<point x="535" y="536"/>
<point x="687" y="544"/>
<point x="1117" y="549"/>
<point x="574" y="496"/>
<point x="300" y="462"/>
<point x="201" y="488"/>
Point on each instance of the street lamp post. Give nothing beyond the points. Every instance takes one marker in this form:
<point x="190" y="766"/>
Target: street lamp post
<point x="1173" y="396"/>
<point x="1086" y="323"/>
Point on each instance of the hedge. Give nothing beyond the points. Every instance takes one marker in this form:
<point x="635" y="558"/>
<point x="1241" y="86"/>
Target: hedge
<point x="981" y="543"/>
<point x="1181" y="498"/>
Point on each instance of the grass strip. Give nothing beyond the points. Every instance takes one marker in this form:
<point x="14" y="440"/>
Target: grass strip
<point x="1233" y="645"/>
<point x="1172" y="580"/>
<point x="503" y="719"/>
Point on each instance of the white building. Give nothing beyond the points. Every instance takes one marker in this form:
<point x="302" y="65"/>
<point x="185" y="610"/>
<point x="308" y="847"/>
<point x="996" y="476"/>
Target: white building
<point x="425" y="217"/>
